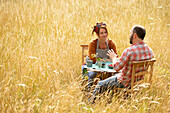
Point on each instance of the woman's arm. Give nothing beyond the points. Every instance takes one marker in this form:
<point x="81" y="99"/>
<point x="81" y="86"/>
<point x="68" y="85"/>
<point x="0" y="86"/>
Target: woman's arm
<point x="92" y="50"/>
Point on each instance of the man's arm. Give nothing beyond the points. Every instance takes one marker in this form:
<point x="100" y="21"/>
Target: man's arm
<point x="123" y="60"/>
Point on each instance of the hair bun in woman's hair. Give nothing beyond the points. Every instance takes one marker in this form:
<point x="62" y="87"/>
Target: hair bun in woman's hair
<point x="98" y="26"/>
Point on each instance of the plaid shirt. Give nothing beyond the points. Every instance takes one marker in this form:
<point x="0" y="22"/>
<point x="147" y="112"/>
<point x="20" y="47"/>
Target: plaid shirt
<point x="136" y="52"/>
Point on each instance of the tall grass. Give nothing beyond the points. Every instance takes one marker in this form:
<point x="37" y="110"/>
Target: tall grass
<point x="40" y="54"/>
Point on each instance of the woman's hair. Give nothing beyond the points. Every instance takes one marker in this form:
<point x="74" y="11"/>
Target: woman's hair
<point x="96" y="28"/>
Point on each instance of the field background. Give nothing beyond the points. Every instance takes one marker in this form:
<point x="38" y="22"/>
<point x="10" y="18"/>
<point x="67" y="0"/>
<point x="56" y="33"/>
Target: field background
<point x="40" y="53"/>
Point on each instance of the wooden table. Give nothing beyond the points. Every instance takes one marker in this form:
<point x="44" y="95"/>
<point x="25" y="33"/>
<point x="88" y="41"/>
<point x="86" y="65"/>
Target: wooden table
<point x="102" y="72"/>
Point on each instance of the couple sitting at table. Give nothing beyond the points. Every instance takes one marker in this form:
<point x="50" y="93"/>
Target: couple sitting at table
<point x="106" y="49"/>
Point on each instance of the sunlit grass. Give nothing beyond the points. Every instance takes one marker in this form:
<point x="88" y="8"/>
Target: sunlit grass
<point x="40" y="52"/>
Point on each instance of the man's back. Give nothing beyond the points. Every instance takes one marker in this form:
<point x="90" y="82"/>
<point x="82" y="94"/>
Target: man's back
<point x="136" y="52"/>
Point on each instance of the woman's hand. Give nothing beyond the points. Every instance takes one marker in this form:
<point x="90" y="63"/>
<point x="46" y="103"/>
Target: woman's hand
<point x="102" y="60"/>
<point x="109" y="60"/>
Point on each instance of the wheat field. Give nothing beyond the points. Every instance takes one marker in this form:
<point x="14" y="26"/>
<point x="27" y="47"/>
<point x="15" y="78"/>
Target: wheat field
<point x="40" y="53"/>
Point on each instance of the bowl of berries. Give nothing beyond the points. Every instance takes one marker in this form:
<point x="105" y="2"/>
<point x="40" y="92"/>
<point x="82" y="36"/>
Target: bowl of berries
<point x="110" y="66"/>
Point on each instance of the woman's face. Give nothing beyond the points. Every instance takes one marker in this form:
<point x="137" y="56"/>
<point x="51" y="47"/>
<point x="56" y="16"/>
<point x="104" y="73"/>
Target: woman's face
<point x="102" y="34"/>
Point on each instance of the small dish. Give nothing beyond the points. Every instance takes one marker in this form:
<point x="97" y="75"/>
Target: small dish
<point x="110" y="66"/>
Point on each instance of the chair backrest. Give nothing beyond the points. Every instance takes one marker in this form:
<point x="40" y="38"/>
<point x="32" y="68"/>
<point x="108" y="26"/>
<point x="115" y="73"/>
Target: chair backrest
<point x="146" y="63"/>
<point x="84" y="47"/>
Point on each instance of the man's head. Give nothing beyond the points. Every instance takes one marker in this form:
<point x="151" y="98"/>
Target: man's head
<point x="138" y="33"/>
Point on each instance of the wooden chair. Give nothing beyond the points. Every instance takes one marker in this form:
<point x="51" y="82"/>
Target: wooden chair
<point x="136" y="64"/>
<point x="145" y="63"/>
<point x="149" y="66"/>
<point x="84" y="47"/>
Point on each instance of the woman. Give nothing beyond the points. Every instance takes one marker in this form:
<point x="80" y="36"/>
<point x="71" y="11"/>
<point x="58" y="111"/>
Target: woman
<point x="100" y="47"/>
<point x="102" y="44"/>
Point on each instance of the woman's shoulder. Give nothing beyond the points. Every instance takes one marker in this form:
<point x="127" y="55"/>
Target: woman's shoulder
<point x="93" y="41"/>
<point x="110" y="41"/>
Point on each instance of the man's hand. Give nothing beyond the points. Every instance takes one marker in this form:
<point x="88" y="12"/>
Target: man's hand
<point x="112" y="54"/>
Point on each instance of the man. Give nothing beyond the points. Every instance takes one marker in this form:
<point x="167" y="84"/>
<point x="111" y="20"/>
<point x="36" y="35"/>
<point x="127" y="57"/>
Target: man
<point x="136" y="52"/>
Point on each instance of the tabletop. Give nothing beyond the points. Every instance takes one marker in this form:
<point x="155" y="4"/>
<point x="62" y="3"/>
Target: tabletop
<point x="96" y="68"/>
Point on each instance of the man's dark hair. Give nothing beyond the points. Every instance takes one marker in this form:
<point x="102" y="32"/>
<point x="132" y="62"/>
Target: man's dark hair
<point x="140" y="31"/>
